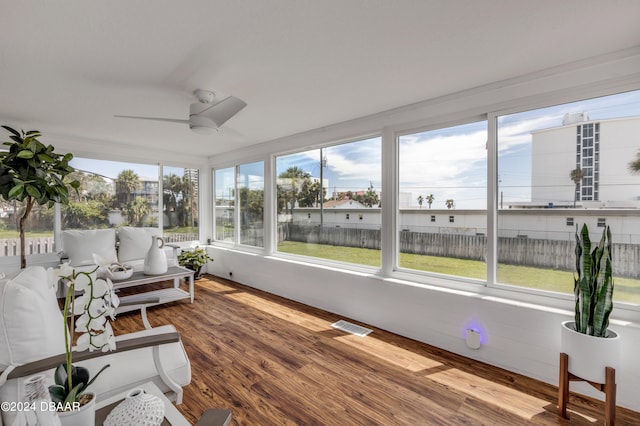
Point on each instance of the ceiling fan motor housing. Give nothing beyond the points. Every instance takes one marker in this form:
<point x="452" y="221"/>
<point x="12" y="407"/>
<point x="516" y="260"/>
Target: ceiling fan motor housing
<point x="202" y="125"/>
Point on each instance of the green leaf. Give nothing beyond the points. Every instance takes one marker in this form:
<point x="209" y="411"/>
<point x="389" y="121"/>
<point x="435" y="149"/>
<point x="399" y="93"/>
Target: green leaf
<point x="25" y="154"/>
<point x="57" y="393"/>
<point x="73" y="395"/>
<point x="593" y="284"/>
<point x="97" y="374"/>
<point x="15" y="132"/>
<point x="33" y="191"/>
<point x="16" y="191"/>
<point x="46" y="158"/>
<point x="60" y="375"/>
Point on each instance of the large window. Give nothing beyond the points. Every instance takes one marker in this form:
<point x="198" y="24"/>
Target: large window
<point x="225" y="202"/>
<point x="242" y="186"/>
<point x="328" y="202"/>
<point x="251" y="201"/>
<point x="442" y="200"/>
<point x="569" y="164"/>
<point x="180" y="219"/>
<point x="112" y="194"/>
<point x="38" y="229"/>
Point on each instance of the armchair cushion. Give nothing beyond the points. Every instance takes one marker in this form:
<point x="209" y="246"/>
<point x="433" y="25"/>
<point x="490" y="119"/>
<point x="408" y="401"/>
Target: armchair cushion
<point x="31" y="325"/>
<point x="80" y="245"/>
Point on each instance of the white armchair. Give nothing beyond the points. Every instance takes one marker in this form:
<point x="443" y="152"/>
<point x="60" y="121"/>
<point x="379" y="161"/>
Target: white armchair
<point x="32" y="342"/>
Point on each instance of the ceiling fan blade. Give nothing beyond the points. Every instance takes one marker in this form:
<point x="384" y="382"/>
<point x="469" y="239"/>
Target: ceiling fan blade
<point x="170" y="120"/>
<point x="225" y="109"/>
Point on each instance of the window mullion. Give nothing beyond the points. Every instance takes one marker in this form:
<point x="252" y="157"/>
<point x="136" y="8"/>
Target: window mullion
<point x="492" y="199"/>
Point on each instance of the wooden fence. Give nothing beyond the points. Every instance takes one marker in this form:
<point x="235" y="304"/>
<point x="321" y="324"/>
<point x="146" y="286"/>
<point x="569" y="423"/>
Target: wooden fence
<point x="553" y="254"/>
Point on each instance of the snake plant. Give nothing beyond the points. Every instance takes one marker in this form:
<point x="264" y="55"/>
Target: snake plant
<point x="593" y="283"/>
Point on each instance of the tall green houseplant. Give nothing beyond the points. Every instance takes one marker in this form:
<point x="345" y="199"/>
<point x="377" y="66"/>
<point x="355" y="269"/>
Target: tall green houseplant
<point x="31" y="172"/>
<point x="593" y="283"/>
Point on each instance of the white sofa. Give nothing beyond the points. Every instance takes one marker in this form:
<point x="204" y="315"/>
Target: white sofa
<point x="129" y="245"/>
<point x="31" y="330"/>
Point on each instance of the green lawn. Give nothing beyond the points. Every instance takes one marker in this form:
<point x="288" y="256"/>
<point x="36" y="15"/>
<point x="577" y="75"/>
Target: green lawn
<point x="627" y="289"/>
<point x="28" y="234"/>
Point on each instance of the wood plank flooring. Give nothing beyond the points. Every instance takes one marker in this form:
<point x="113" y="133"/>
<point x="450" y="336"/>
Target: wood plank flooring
<point x="277" y="362"/>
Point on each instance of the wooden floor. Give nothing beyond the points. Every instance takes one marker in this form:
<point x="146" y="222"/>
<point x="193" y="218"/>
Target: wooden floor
<point x="276" y="362"/>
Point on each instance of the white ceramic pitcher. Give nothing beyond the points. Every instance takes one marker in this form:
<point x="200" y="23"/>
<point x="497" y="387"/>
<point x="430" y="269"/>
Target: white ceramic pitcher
<point x="155" y="262"/>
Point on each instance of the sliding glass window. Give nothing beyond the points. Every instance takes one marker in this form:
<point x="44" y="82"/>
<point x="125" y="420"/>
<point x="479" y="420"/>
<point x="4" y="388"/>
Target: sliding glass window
<point x="442" y="195"/>
<point x="251" y="200"/>
<point x="225" y="202"/>
<point x="559" y="168"/>
<point x="328" y="202"/>
<point x="112" y="194"/>
<point x="242" y="186"/>
<point x="180" y="188"/>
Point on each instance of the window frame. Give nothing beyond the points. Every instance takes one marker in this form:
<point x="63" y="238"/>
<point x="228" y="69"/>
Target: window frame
<point x="236" y="242"/>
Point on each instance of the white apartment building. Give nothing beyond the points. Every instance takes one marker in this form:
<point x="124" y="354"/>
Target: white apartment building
<point x="602" y="149"/>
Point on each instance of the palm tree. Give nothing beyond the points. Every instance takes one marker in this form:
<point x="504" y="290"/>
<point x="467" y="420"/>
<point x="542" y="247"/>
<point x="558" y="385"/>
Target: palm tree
<point x="634" y="166"/>
<point x="126" y="183"/>
<point x="576" y="176"/>
<point x="291" y="185"/>
<point x="137" y="210"/>
<point x="420" y="200"/>
<point x="449" y="203"/>
<point x="430" y="199"/>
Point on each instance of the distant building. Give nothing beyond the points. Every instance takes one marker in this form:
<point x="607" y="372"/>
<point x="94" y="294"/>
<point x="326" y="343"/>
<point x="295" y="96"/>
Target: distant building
<point x="602" y="149"/>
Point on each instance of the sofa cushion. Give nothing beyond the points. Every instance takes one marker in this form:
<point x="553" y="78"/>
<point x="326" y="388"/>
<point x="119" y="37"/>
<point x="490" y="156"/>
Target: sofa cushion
<point x="135" y="242"/>
<point x="81" y="245"/>
<point x="31" y="325"/>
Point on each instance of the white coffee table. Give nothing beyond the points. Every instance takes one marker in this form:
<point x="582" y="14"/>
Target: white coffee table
<point x="171" y="414"/>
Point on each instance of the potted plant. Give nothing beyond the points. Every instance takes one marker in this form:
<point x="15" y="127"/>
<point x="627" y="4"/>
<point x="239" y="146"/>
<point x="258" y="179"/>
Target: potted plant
<point x="194" y="259"/>
<point x="31" y="172"/>
<point x="587" y="340"/>
<point x="94" y="306"/>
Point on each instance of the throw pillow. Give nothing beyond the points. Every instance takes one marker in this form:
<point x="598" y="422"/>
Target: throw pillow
<point x="81" y="245"/>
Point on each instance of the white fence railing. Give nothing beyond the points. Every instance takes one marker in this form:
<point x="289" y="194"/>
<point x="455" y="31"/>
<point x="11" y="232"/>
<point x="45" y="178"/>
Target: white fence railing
<point x="44" y="245"/>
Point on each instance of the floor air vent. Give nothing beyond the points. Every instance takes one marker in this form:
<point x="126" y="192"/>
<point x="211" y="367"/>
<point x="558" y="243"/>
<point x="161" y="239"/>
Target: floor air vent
<point x="351" y="328"/>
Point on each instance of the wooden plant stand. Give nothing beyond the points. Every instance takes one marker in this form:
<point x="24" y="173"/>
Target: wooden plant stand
<point x="609" y="389"/>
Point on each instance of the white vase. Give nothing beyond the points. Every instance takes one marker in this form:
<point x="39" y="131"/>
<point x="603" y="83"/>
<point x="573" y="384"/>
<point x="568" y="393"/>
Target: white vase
<point x="83" y="416"/>
<point x="138" y="409"/>
<point x="36" y="393"/>
<point x="155" y="262"/>
<point x="589" y="355"/>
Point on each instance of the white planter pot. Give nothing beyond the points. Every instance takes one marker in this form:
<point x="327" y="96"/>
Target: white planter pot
<point x="85" y="415"/>
<point x="589" y="355"/>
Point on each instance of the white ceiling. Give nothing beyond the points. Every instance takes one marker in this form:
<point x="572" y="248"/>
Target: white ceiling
<point x="67" y="67"/>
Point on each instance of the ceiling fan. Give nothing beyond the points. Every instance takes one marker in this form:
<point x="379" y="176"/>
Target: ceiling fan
<point x="205" y="116"/>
